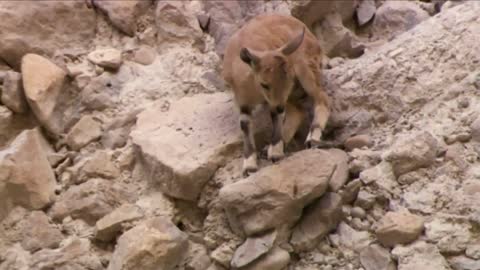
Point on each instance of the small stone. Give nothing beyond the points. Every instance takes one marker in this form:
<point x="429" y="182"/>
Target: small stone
<point x="475" y="130"/>
<point x="463" y="103"/>
<point x="375" y="257"/>
<point x="145" y="55"/>
<point x="358" y="141"/>
<point x="106" y="58"/>
<point x="83" y="132"/>
<point x="358" y="212"/>
<point x="318" y="220"/>
<point x="12" y="94"/>
<point x="399" y="228"/>
<point x="276" y="259"/>
<point x="464" y="263"/>
<point x="39" y="233"/>
<point x="108" y="227"/>
<point x="365" y="199"/>
<point x="154" y="244"/>
<point x="43" y="82"/>
<point x="351" y="238"/>
<point x="361" y="225"/>
<point x="412" y="152"/>
<point x="253" y="248"/>
<point x="365" y="11"/>
<point x="100" y="165"/>
<point x="223" y="254"/>
<point x="350" y="191"/>
<point x="473" y="251"/>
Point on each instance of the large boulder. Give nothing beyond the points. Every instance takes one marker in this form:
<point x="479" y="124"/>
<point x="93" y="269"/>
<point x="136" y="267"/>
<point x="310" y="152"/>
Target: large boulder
<point x="155" y="244"/>
<point x="318" y="220"/>
<point x="182" y="148"/>
<point x="43" y="82"/>
<point x="90" y="201"/>
<point x="276" y="195"/>
<point x="124" y="14"/>
<point x="44" y="27"/>
<point x="26" y="178"/>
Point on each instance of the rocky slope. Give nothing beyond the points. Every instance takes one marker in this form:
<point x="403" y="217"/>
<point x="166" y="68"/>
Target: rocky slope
<point x="120" y="147"/>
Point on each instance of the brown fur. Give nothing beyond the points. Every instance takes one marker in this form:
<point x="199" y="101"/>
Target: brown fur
<point x="264" y="37"/>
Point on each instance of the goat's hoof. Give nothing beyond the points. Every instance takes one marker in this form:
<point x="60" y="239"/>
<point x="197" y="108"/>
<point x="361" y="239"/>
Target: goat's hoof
<point x="275" y="152"/>
<point x="314" y="138"/>
<point x="249" y="165"/>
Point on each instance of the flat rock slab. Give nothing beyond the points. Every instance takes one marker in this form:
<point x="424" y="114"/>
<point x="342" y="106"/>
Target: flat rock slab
<point x="253" y="248"/>
<point x="276" y="194"/>
<point x="182" y="147"/>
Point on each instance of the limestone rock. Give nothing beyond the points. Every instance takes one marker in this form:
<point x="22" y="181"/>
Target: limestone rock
<point x="450" y="234"/>
<point x="365" y="199"/>
<point x="124" y="14"/>
<point x="252" y="249"/>
<point x="419" y="255"/>
<point x="358" y="141"/>
<point x="90" y="201"/>
<point x="375" y="257"/>
<point x="464" y="263"/>
<point x="26" y="178"/>
<point x="276" y="259"/>
<point x="412" y="152"/>
<point x="154" y="244"/>
<point x="183" y="147"/>
<point x="65" y="25"/>
<point x="197" y="257"/>
<point x="223" y="254"/>
<point x="276" y="194"/>
<point x="176" y="23"/>
<point x="42" y="81"/>
<point x="475" y="127"/>
<point x="106" y="58"/>
<point x="100" y="165"/>
<point x="350" y="238"/>
<point x="15" y="258"/>
<point x="395" y="17"/>
<point x="39" y="233"/>
<point x="83" y="132"/>
<point x="74" y="253"/>
<point x="399" y="228"/>
<point x="12" y="94"/>
<point x="145" y="55"/>
<point x="317" y="221"/>
<point x="365" y="11"/>
<point x="111" y="225"/>
<point x="340" y="176"/>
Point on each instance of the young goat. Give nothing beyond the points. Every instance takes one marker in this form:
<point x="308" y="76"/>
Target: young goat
<point x="263" y="62"/>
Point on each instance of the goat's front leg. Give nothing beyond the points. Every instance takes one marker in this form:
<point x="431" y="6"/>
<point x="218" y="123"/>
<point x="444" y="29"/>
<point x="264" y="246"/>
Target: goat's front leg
<point x="276" y="147"/>
<point x="249" y="148"/>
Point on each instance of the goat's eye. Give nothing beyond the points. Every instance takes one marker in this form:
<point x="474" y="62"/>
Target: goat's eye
<point x="265" y="86"/>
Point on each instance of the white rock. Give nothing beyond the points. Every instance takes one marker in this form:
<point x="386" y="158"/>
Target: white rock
<point x="419" y="255"/>
<point x="106" y="58"/>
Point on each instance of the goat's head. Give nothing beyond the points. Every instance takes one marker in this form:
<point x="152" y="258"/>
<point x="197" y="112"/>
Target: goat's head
<point x="272" y="70"/>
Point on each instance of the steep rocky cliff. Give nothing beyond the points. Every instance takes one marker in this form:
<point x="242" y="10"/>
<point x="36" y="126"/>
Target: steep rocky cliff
<point x="120" y="147"/>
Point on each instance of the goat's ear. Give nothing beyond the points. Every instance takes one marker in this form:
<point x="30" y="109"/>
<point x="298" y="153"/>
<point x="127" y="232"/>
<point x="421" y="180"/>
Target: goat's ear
<point x="248" y="57"/>
<point x="294" y="44"/>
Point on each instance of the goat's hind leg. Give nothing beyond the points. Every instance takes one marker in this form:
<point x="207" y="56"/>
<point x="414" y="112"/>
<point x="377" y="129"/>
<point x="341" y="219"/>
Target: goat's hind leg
<point x="249" y="149"/>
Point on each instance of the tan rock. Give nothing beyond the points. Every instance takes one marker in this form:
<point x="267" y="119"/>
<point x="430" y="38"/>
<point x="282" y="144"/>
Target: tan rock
<point x="154" y="244"/>
<point x="399" y="228"/>
<point x="83" y="132"/>
<point x="65" y="25"/>
<point x="74" y="253"/>
<point x="42" y="82"/>
<point x="365" y="11"/>
<point x="106" y="58"/>
<point x="12" y="94"/>
<point x="26" y="178"/>
<point x="275" y="195"/>
<point x="90" y="201"/>
<point x="145" y="55"/>
<point x="252" y="249"/>
<point x="358" y="141"/>
<point x="317" y="221"/>
<point x="276" y="259"/>
<point x="183" y="147"/>
<point x="39" y="233"/>
<point x="108" y="227"/>
<point x="419" y="255"/>
<point x="340" y="176"/>
<point x="411" y="152"/>
<point x="124" y="14"/>
<point x="100" y="165"/>
<point x="375" y="257"/>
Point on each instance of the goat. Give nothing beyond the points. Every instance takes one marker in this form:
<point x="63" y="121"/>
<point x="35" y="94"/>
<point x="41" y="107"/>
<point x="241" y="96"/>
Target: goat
<point x="263" y="61"/>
